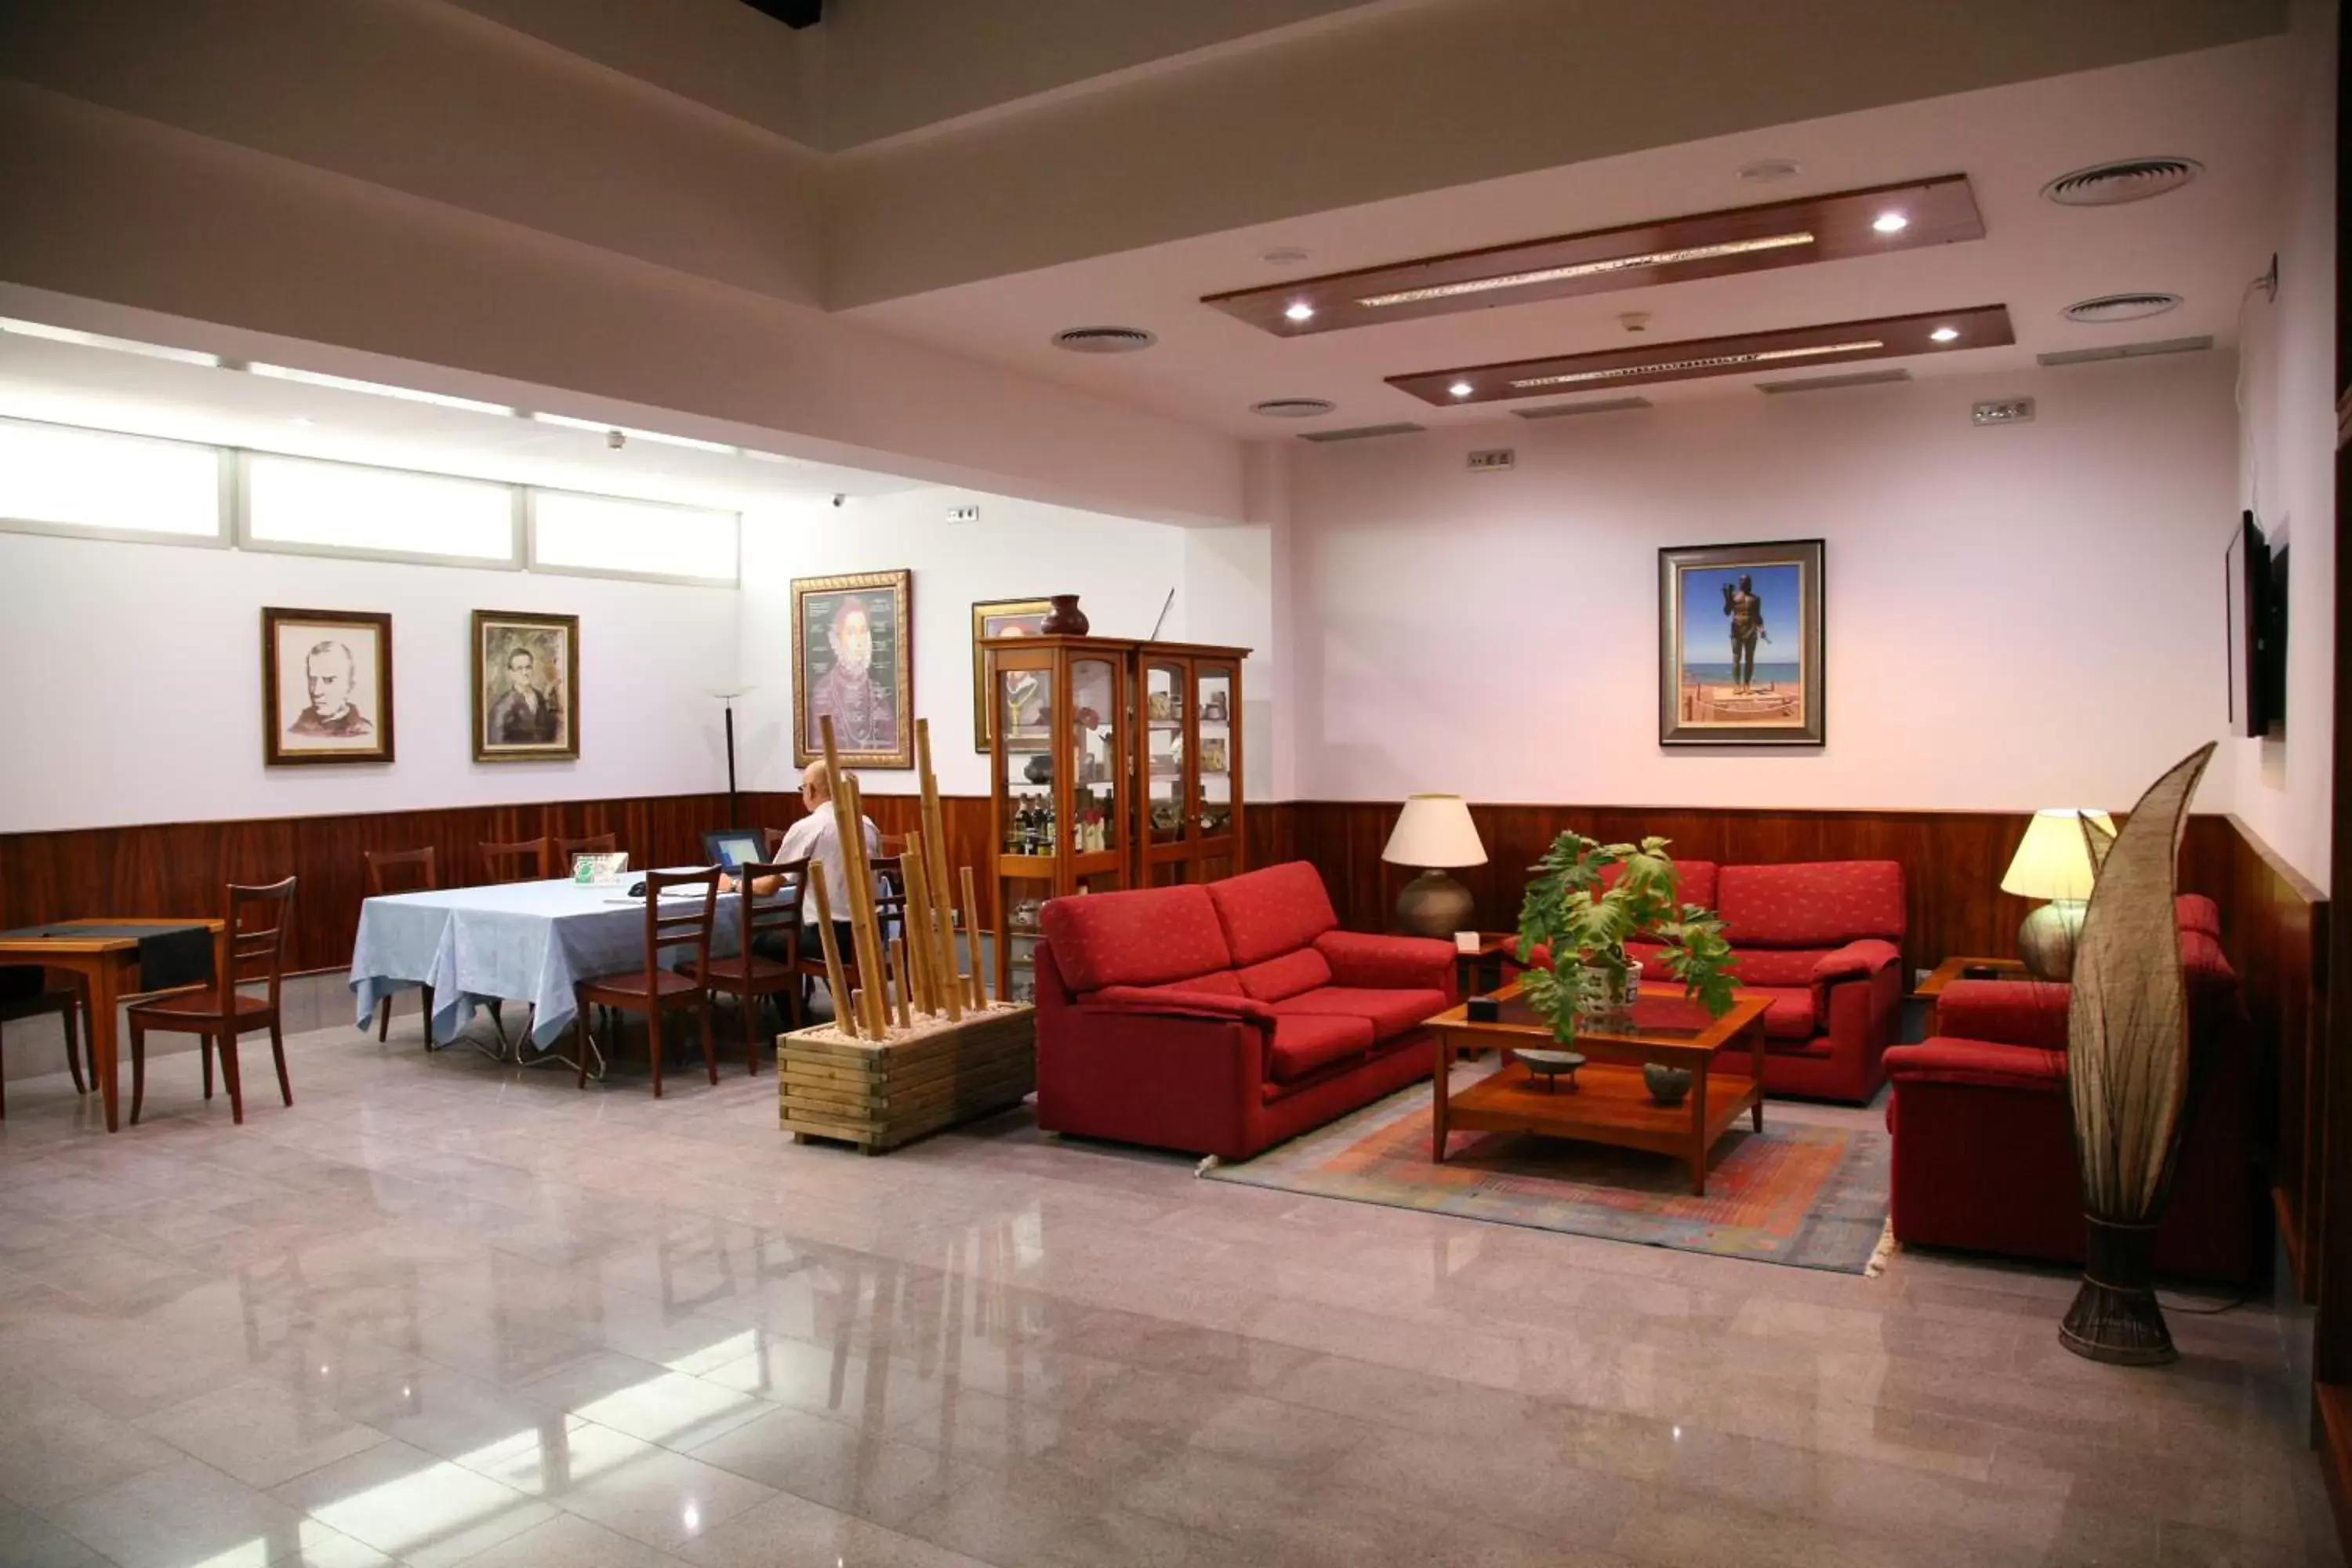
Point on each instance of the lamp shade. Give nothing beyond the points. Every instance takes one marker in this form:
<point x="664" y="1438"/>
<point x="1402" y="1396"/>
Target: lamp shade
<point x="2053" y="862"/>
<point x="1434" y="830"/>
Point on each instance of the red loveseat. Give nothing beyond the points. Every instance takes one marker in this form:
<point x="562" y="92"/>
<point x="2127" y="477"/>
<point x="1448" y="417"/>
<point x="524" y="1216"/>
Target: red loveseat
<point x="1983" y="1129"/>
<point x="1824" y="940"/>
<point x="1223" y="1019"/>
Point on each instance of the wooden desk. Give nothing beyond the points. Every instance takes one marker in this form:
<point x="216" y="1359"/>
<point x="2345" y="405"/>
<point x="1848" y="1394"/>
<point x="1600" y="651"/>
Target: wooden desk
<point x="1953" y="969"/>
<point x="104" y="963"/>
<point x="1611" y="1104"/>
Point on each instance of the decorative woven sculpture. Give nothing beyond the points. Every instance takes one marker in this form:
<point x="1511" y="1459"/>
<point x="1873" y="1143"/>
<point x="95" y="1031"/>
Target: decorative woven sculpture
<point x="2128" y="1069"/>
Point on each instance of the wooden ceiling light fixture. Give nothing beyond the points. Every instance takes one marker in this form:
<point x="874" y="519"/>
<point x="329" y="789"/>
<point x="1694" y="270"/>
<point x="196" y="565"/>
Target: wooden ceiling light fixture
<point x="1785" y="347"/>
<point x="1832" y="227"/>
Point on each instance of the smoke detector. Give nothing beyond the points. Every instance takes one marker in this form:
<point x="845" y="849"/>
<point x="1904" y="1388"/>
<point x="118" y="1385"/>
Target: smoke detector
<point x="1634" y="320"/>
<point x="2121" y="307"/>
<point x="1105" y="339"/>
<point x="2126" y="180"/>
<point x="1293" y="407"/>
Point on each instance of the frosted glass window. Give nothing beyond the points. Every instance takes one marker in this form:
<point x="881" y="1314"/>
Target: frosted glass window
<point x="295" y="503"/>
<point x="59" y="480"/>
<point x="573" y="533"/>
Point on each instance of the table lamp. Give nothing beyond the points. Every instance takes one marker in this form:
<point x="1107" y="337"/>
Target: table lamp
<point x="1434" y="833"/>
<point x="2054" y="863"/>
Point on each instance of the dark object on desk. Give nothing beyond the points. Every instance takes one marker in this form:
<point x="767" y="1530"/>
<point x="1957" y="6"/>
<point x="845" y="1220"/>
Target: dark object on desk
<point x="1986" y="972"/>
<point x="258" y="919"/>
<point x="414" y="871"/>
<point x="1482" y="1010"/>
<point x="1550" y="1066"/>
<point x="732" y="848"/>
<point x="1668" y="1086"/>
<point x="170" y="955"/>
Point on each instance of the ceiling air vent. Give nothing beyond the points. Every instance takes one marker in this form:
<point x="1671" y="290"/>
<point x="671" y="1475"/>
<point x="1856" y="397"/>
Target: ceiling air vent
<point x="1363" y="432"/>
<point x="2127" y="179"/>
<point x="1562" y="410"/>
<point x="2120" y="307"/>
<point x="1293" y="407"/>
<point x="2129" y="350"/>
<point x="1830" y="383"/>
<point x="1105" y="339"/>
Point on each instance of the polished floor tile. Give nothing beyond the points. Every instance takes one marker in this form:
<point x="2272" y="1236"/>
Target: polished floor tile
<point x="446" y="1312"/>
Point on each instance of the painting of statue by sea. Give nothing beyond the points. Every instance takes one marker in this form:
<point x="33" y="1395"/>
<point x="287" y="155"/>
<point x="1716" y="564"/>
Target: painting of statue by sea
<point x="1740" y="650"/>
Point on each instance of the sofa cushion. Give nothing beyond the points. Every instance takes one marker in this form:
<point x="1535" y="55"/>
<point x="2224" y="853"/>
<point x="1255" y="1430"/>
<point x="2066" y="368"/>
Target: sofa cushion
<point x="1268" y="913"/>
<point x="1822" y="904"/>
<point x="1790" y="1015"/>
<point x="1391" y="1013"/>
<point x="1775" y="966"/>
<point x="1306" y="1043"/>
<point x="1147" y="937"/>
<point x="1285" y="976"/>
<point x="1695" y="883"/>
<point x="1216" y="982"/>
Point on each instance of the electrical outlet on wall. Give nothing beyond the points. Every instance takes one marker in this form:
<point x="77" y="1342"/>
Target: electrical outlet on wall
<point x="1492" y="461"/>
<point x="963" y="514"/>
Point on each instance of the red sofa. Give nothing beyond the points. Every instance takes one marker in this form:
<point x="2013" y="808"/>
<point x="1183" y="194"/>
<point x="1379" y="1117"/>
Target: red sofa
<point x="1984" y="1132"/>
<point x="1223" y="1019"/>
<point x="1824" y="940"/>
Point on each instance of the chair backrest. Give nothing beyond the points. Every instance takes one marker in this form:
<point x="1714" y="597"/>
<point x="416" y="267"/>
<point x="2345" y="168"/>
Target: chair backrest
<point x="413" y="871"/>
<point x="772" y="839"/>
<point x="522" y="862"/>
<point x="258" y="919"/>
<point x="684" y="924"/>
<point x="594" y="844"/>
<point x="889" y="888"/>
<point x="778" y="912"/>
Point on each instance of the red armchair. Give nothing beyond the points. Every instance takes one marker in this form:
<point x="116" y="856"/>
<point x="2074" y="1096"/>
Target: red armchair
<point x="1823" y="941"/>
<point x="1225" y="1018"/>
<point x="1983" y="1127"/>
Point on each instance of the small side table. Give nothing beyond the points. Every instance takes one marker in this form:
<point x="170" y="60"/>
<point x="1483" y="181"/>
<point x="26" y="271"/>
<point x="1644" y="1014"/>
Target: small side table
<point x="1964" y="968"/>
<point x="1480" y="971"/>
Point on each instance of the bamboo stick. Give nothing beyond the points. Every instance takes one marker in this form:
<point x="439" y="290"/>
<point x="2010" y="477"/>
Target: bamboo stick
<point x="940" y="931"/>
<point x="923" y="960"/>
<point x="898" y="983"/>
<point x="971" y="940"/>
<point x="849" y="822"/>
<point x="938" y="967"/>
<point x="845" y="1016"/>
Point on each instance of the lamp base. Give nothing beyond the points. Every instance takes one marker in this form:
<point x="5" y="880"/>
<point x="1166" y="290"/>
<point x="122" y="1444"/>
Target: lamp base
<point x="1433" y="904"/>
<point x="2046" y="939"/>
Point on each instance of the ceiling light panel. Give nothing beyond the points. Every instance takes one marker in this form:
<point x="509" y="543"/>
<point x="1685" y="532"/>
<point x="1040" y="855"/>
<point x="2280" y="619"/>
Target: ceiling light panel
<point x="1836" y="343"/>
<point x="100" y="340"/>
<point x="377" y="388"/>
<point x="1845" y="224"/>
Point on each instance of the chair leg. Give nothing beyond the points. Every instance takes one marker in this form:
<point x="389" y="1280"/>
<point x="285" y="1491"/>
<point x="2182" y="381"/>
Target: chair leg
<point x="229" y="1077"/>
<point x="4" y="1076"/>
<point x="73" y="1047"/>
<point x="711" y="1057"/>
<point x="428" y="1017"/>
<point x="653" y="1043"/>
<point x="278" y="1051"/>
<point x="139" y="1070"/>
<point x="579" y="1036"/>
<point x="205" y="1049"/>
<point x="751" y="1011"/>
<point x="384" y="1020"/>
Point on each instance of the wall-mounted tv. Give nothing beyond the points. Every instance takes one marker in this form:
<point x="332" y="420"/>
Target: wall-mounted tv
<point x="2256" y="577"/>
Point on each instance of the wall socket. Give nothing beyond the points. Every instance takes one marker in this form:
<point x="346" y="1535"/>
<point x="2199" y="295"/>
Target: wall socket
<point x="963" y="514"/>
<point x="1492" y="460"/>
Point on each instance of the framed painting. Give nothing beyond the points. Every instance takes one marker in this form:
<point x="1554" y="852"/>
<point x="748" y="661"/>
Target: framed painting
<point x="1739" y="645"/>
<point x="996" y="618"/>
<point x="526" y="686"/>
<point x="853" y="659"/>
<point x="326" y="687"/>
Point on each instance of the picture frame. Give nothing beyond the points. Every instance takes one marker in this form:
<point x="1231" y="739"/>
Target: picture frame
<point x="524" y="669"/>
<point x="1720" y="685"/>
<point x="996" y="618"/>
<point x="326" y="687"/>
<point x="853" y="659"/>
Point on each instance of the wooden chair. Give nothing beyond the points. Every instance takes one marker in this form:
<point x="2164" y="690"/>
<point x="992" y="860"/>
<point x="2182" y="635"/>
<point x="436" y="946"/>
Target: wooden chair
<point x="750" y="976"/>
<point x="24" y="994"/>
<point x="522" y="862"/>
<point x="654" y="990"/>
<point x="594" y="844"/>
<point x="889" y="895"/>
<point x="258" y="920"/>
<point x="410" y="871"/>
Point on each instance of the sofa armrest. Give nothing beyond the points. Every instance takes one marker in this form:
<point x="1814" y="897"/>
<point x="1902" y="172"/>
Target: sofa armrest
<point x="1388" y="963"/>
<point x="1984" y="1063"/>
<point x="1855" y="960"/>
<point x="2008" y="1012"/>
<point x="1174" y="1001"/>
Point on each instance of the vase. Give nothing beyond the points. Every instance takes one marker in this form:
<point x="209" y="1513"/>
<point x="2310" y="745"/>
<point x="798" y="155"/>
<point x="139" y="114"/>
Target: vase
<point x="1667" y="1085"/>
<point x="1064" y="619"/>
<point x="1040" y="768"/>
<point x="1604" y="996"/>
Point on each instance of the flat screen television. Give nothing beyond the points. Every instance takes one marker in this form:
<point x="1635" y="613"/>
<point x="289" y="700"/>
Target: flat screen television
<point x="2256" y="578"/>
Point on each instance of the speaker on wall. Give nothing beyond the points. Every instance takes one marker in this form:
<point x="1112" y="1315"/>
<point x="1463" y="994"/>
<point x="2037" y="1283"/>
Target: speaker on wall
<point x="791" y="13"/>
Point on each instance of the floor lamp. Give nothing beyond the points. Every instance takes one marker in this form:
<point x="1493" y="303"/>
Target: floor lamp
<point x="727" y="695"/>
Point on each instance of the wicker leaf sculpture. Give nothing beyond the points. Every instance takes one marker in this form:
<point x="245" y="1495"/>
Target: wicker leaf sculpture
<point x="2128" y="1069"/>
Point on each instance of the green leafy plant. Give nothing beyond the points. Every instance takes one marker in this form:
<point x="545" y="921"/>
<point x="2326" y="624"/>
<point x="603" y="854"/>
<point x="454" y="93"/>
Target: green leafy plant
<point x="1567" y="908"/>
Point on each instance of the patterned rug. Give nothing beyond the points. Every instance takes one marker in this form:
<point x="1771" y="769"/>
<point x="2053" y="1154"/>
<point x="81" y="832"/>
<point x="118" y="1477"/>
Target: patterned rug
<point x="1802" y="1193"/>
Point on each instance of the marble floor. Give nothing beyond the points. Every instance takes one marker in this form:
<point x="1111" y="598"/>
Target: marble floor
<point x="443" y="1312"/>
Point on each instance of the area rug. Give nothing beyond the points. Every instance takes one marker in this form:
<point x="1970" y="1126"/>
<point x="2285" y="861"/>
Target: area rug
<point x="1798" y="1193"/>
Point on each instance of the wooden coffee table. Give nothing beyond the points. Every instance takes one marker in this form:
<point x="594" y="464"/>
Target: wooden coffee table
<point x="1610" y="1104"/>
<point x="1931" y="990"/>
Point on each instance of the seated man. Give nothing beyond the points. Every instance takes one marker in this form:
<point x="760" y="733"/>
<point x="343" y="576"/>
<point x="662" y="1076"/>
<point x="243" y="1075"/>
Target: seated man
<point x="818" y="839"/>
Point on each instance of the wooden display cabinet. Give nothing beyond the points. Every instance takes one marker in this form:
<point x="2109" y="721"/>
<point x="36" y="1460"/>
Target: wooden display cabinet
<point x="1189" y="758"/>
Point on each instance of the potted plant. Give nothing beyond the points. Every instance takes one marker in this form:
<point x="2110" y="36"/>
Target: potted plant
<point x="1593" y="980"/>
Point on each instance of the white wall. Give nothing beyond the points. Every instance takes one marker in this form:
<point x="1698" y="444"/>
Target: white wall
<point x="129" y="685"/>
<point x="1121" y="569"/>
<point x="2282" y="788"/>
<point x="2016" y="617"/>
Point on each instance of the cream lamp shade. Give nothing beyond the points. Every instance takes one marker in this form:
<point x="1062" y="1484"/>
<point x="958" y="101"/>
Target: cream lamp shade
<point x="1434" y="830"/>
<point x="2053" y="862"/>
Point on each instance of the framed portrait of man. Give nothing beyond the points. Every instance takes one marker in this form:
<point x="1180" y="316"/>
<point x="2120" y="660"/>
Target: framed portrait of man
<point x="1739" y="645"/>
<point x="326" y="687"/>
<point x="854" y="659"/>
<point x="526" y="686"/>
<point x="997" y="618"/>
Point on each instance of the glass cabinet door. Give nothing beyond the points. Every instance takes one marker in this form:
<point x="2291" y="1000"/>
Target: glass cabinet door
<point x="1165" y="689"/>
<point x="1215" y="760"/>
<point x="1092" y="757"/>
<point x="1024" y="715"/>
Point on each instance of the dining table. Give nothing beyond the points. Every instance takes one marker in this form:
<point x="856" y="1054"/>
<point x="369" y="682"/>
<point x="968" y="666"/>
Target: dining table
<point x="531" y="942"/>
<point x="117" y="956"/>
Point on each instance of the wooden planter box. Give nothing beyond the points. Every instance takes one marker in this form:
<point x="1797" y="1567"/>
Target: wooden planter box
<point x="879" y="1094"/>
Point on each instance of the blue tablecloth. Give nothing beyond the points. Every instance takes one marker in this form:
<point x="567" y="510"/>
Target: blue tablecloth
<point x="521" y="941"/>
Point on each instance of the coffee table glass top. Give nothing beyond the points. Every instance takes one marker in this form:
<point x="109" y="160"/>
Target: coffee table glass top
<point x="1661" y="1012"/>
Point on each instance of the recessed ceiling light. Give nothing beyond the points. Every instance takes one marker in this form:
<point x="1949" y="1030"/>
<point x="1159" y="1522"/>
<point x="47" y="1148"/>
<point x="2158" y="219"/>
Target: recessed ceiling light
<point x="1462" y="389"/>
<point x="1300" y="310"/>
<point x="1283" y="256"/>
<point x="1590" y="269"/>
<point x="1890" y="222"/>
<point x="1945" y="334"/>
<point x="1764" y="170"/>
